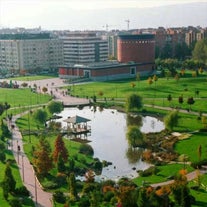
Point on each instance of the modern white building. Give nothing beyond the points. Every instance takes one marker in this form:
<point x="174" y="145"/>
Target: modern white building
<point x="84" y="48"/>
<point x="29" y="53"/>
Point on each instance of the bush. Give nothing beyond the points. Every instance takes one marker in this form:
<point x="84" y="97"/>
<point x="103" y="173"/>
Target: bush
<point x="86" y="149"/>
<point x="84" y="202"/>
<point x="50" y="185"/>
<point x="150" y="171"/>
<point x="2" y="157"/>
<point x="22" y="191"/>
<point x="198" y="165"/>
<point x="59" y="197"/>
<point x="108" y="196"/>
<point x="14" y="202"/>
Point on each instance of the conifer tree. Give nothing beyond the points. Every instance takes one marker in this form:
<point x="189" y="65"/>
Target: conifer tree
<point x="9" y="182"/>
<point x="42" y="159"/>
<point x="60" y="149"/>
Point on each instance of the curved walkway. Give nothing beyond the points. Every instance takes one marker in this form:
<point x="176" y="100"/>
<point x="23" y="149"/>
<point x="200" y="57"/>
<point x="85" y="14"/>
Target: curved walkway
<point x="38" y="195"/>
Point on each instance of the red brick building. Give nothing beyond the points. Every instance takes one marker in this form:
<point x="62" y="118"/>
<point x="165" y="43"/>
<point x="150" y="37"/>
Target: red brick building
<point x="137" y="48"/>
<point x="136" y="54"/>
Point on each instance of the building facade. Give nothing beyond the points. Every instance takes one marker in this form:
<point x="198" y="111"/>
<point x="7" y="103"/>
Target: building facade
<point x="29" y="53"/>
<point x="84" y="48"/>
<point x="136" y="48"/>
<point x="135" y="55"/>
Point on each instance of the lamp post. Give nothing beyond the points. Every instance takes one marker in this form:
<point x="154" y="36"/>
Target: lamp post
<point x="35" y="188"/>
<point x="22" y="167"/>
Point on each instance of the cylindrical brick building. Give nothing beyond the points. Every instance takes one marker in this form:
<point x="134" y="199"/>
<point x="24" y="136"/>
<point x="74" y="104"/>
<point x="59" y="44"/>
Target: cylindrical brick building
<point x="137" y="48"/>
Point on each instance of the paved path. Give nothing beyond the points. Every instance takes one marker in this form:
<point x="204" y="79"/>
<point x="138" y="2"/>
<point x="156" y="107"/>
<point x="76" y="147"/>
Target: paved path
<point x="40" y="197"/>
<point x="190" y="176"/>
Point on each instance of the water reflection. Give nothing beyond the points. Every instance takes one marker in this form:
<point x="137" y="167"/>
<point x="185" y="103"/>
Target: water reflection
<point x="108" y="139"/>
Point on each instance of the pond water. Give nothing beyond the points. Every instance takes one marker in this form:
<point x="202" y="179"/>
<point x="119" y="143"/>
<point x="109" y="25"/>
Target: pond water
<point x="109" y="142"/>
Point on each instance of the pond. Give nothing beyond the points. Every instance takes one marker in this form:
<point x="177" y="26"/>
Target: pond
<point x="109" y="142"/>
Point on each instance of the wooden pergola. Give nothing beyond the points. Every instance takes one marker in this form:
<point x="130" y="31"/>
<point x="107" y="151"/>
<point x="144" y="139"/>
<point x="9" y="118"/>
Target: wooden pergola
<point x="77" y="124"/>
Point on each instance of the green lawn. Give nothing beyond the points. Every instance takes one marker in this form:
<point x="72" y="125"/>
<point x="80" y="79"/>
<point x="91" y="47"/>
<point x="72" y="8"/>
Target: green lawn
<point x="164" y="173"/>
<point x="155" y="93"/>
<point x="33" y="78"/>
<point x="22" y="97"/>
<point x="190" y="146"/>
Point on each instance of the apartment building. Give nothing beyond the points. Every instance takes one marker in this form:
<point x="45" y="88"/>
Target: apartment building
<point x="30" y="53"/>
<point x="84" y="48"/>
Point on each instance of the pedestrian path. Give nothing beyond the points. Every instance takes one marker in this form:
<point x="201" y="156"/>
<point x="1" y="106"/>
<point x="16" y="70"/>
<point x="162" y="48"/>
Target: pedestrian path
<point x="38" y="195"/>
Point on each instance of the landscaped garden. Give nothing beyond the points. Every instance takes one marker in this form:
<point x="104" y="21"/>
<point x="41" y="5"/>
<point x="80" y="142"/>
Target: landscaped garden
<point x="81" y="157"/>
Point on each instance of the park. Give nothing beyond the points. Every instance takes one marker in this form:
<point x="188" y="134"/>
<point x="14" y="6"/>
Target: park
<point x="157" y="101"/>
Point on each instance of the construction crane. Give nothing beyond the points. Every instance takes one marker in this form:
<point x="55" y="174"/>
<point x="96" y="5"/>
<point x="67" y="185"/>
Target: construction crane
<point x="107" y="26"/>
<point x="128" y="21"/>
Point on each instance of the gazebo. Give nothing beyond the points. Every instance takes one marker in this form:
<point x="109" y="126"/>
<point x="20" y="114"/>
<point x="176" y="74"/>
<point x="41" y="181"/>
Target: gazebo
<point x="77" y="124"/>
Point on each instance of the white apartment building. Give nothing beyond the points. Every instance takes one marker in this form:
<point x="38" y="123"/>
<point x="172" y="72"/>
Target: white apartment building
<point x="29" y="53"/>
<point x="84" y="48"/>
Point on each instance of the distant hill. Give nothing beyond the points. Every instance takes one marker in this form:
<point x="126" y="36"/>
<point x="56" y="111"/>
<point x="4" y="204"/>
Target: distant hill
<point x="190" y="14"/>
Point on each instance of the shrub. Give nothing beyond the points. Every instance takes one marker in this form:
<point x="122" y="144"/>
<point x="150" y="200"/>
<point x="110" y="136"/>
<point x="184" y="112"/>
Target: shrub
<point x="108" y="196"/>
<point x="84" y="202"/>
<point x="22" y="191"/>
<point x="2" y="157"/>
<point x="59" y="197"/>
<point x="198" y="165"/>
<point x="150" y="171"/>
<point x="50" y="185"/>
<point x="14" y="202"/>
<point x="86" y="149"/>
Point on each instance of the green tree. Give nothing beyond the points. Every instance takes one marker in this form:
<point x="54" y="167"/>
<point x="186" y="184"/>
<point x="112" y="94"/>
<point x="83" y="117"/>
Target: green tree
<point x="9" y="183"/>
<point x="40" y="116"/>
<point x="72" y="187"/>
<point x="133" y="101"/>
<point x="135" y="136"/>
<point x="60" y="164"/>
<point x="190" y="101"/>
<point x="200" y="51"/>
<point x="42" y="157"/>
<point x="171" y="120"/>
<point x="142" y="200"/>
<point x="55" y="107"/>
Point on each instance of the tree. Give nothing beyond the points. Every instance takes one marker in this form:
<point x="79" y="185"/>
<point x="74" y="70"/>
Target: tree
<point x="40" y="116"/>
<point x="150" y="81"/>
<point x="72" y="187"/>
<point x="181" y="191"/>
<point x="42" y="157"/>
<point x="169" y="98"/>
<point x="44" y="89"/>
<point x="190" y="101"/>
<point x="200" y="51"/>
<point x="135" y="136"/>
<point x="142" y="200"/>
<point x="60" y="149"/>
<point x="9" y="182"/>
<point x="171" y="120"/>
<point x="55" y="107"/>
<point x="133" y="102"/>
<point x="180" y="99"/>
<point x="60" y="164"/>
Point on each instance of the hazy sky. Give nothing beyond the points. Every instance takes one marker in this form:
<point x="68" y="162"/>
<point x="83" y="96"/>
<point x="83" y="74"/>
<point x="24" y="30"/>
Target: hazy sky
<point x="70" y="14"/>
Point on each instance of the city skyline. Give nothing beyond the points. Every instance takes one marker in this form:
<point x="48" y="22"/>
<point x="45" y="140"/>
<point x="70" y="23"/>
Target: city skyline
<point x="96" y="15"/>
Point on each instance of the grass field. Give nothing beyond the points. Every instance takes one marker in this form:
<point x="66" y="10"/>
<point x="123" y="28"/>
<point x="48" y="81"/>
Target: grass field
<point x="33" y="78"/>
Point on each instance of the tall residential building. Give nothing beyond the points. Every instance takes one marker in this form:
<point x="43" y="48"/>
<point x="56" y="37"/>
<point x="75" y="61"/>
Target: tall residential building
<point x="29" y="53"/>
<point x="84" y="48"/>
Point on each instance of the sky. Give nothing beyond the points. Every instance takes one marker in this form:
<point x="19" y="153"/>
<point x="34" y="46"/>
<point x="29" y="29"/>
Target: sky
<point x="73" y="14"/>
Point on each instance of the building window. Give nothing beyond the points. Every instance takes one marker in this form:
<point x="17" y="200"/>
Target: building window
<point x="132" y="70"/>
<point x="87" y="73"/>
